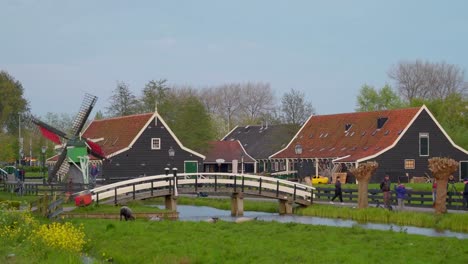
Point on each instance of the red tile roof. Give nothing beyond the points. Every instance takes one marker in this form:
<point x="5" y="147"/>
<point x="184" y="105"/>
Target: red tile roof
<point x="324" y="136"/>
<point x="227" y="150"/>
<point x="118" y="132"/>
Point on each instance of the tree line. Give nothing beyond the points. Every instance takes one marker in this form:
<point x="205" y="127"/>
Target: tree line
<point x="439" y="86"/>
<point x="198" y="115"/>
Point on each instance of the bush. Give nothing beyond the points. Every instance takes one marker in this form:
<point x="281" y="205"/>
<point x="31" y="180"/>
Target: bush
<point x="64" y="237"/>
<point x="10" y="204"/>
<point x="15" y="225"/>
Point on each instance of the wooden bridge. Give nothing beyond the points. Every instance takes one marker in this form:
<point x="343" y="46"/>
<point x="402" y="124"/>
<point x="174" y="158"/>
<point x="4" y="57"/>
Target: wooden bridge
<point x="236" y="185"/>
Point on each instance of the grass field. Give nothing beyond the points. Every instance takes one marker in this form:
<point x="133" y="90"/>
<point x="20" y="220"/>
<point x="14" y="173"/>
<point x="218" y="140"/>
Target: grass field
<point x="249" y="242"/>
<point x="144" y="241"/>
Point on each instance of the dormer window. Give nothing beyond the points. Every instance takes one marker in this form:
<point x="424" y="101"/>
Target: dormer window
<point x="347" y="127"/>
<point x="381" y="122"/>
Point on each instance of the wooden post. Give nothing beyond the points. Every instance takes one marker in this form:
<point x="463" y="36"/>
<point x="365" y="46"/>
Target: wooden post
<point x="285" y="206"/>
<point x="170" y="202"/>
<point x="237" y="204"/>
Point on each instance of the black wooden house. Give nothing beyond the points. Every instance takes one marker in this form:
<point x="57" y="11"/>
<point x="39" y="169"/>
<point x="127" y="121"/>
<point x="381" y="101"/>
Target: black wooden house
<point x="400" y="140"/>
<point x="140" y="145"/>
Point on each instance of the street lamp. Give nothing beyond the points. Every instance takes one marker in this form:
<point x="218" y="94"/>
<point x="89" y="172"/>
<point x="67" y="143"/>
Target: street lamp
<point x="298" y="151"/>
<point x="242" y="163"/>
<point x="171" y="153"/>
<point x="43" y="151"/>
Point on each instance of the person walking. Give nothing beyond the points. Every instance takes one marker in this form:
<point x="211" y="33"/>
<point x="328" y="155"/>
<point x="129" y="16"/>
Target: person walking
<point x="401" y="195"/>
<point x="94" y="173"/>
<point x="338" y="192"/>
<point x="385" y="188"/>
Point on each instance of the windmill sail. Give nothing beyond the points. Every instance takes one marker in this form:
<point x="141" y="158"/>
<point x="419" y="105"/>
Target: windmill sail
<point x="85" y="110"/>
<point x="50" y="135"/>
<point x="58" y="166"/>
<point x="95" y="149"/>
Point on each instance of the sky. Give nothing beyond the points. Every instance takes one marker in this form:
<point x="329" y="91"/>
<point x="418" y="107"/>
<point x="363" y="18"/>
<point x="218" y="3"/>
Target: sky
<point x="59" y="50"/>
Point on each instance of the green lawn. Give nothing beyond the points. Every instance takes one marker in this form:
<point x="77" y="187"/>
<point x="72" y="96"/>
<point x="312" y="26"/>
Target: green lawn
<point x="249" y="242"/>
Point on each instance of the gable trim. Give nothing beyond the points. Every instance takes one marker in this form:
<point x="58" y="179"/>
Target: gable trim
<point x="443" y="131"/>
<point x="175" y="137"/>
<point x="243" y="149"/>
<point x="396" y="141"/>
<point x="423" y="108"/>
<point x="229" y="133"/>
<point x="292" y="140"/>
<point x="155" y="115"/>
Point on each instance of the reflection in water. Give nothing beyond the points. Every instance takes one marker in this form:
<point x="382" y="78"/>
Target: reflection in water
<point x="202" y="213"/>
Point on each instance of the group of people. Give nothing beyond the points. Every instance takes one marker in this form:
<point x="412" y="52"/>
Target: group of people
<point x="385" y="187"/>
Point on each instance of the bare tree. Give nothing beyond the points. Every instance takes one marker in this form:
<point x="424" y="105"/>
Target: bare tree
<point x="210" y="98"/>
<point x="230" y="102"/>
<point x="426" y="80"/>
<point x="256" y="100"/>
<point x="295" y="109"/>
<point x="122" y="101"/>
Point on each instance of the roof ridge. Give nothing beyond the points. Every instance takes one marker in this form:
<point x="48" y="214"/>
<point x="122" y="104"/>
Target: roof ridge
<point x="376" y="111"/>
<point x="121" y="117"/>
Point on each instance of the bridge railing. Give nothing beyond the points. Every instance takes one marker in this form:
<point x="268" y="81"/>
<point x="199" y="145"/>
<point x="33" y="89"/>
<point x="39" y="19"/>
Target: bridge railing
<point x="252" y="184"/>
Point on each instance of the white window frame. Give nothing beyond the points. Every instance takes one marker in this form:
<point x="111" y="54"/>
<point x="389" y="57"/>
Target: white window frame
<point x="276" y="166"/>
<point x="421" y="136"/>
<point x="410" y="168"/>
<point x="153" y="145"/>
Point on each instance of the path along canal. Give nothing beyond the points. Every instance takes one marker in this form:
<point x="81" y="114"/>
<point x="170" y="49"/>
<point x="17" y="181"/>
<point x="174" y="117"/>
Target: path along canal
<point x="204" y="213"/>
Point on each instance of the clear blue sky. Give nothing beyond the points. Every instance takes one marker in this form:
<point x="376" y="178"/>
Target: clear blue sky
<point x="61" y="49"/>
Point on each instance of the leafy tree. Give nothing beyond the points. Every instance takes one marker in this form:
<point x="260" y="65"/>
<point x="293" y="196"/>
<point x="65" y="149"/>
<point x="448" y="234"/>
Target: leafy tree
<point x="295" y="108"/>
<point x="188" y="118"/>
<point x="154" y="94"/>
<point x="99" y="115"/>
<point x="451" y="113"/>
<point x="122" y="101"/>
<point x="12" y="103"/>
<point x="370" y="99"/>
<point x="9" y="149"/>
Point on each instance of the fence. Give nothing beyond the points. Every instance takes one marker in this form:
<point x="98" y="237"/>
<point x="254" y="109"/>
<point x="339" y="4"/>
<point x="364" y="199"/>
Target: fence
<point x="41" y="189"/>
<point x="413" y="198"/>
<point x="47" y="206"/>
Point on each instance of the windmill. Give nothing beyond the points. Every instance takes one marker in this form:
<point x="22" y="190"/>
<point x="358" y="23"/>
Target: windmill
<point x="75" y="149"/>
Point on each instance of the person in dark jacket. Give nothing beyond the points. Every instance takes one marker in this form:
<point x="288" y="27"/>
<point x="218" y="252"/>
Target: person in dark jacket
<point x="385" y="188"/>
<point x="126" y="213"/>
<point x="338" y="192"/>
<point x="401" y="195"/>
<point x="465" y="193"/>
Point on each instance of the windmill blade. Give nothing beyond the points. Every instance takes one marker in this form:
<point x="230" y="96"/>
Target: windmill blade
<point x="58" y="166"/>
<point x="95" y="150"/>
<point x="85" y="110"/>
<point x="48" y="131"/>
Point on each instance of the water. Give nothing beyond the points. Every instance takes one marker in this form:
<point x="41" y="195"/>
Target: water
<point x="203" y="213"/>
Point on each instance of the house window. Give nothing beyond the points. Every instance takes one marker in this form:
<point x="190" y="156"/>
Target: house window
<point x="276" y="166"/>
<point x="409" y="164"/>
<point x="155" y="143"/>
<point x="423" y="144"/>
